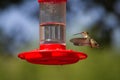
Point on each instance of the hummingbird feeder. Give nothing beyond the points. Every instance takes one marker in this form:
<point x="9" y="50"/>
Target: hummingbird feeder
<point x="52" y="49"/>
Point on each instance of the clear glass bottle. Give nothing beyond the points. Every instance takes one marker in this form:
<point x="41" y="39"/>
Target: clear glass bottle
<point x="52" y="22"/>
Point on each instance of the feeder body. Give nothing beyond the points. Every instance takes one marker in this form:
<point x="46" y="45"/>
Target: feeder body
<point x="52" y="22"/>
<point x="52" y="37"/>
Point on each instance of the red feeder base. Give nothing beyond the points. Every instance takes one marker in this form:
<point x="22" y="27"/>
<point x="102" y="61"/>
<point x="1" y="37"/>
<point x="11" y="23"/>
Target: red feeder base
<point x="52" y="54"/>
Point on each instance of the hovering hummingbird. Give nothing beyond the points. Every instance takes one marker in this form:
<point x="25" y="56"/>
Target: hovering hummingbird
<point x="86" y="40"/>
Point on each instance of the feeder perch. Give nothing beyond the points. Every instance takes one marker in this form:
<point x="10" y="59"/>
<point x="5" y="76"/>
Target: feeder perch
<point x="52" y="49"/>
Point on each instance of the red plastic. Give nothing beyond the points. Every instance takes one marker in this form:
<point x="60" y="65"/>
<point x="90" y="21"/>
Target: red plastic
<point x="55" y="1"/>
<point x="52" y="54"/>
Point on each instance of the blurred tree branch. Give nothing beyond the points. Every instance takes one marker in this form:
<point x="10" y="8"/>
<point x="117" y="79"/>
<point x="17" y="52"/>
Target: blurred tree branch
<point x="6" y="3"/>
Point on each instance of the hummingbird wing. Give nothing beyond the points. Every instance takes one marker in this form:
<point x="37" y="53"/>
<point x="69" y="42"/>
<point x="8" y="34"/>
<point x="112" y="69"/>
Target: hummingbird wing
<point x="82" y="35"/>
<point x="80" y="41"/>
<point x="93" y="43"/>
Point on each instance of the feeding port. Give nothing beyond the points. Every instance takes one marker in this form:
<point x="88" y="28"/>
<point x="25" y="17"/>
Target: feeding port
<point x="52" y="27"/>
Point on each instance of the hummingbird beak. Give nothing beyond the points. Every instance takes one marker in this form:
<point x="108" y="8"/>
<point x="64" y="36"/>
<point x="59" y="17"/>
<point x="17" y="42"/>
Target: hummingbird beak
<point x="77" y="33"/>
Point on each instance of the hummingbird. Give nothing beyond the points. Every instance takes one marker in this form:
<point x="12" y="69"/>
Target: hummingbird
<point x="86" y="40"/>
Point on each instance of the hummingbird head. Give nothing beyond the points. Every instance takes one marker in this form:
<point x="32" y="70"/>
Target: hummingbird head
<point x="85" y="34"/>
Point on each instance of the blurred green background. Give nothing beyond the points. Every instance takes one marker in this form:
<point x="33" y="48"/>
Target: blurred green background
<point x="19" y="31"/>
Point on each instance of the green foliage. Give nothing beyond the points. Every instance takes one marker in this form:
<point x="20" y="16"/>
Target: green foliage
<point x="100" y="65"/>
